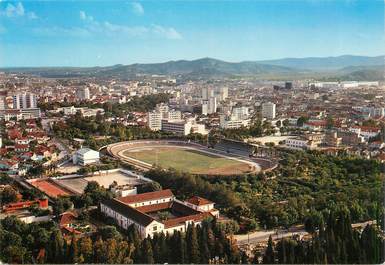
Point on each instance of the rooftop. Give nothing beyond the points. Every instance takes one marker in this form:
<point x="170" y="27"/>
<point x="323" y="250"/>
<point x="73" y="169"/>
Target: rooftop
<point x="199" y="201"/>
<point x="147" y="196"/>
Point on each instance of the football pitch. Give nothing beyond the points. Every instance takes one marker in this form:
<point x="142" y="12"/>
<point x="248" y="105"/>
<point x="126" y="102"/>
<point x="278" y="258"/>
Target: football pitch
<point x="189" y="160"/>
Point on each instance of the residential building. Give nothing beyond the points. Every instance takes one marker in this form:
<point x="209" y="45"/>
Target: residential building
<point x="181" y="127"/>
<point x="154" y="120"/>
<point x="366" y="132"/>
<point x="232" y="122"/>
<point x="24" y="101"/>
<point x="268" y="110"/>
<point x="83" y="93"/>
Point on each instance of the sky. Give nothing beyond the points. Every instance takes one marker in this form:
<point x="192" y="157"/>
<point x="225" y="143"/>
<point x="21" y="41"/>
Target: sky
<point x="101" y="33"/>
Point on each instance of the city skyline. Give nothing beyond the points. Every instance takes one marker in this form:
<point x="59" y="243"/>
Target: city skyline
<point x="100" y="33"/>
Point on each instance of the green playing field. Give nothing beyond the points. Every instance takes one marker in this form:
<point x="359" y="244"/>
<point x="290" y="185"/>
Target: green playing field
<point x="188" y="160"/>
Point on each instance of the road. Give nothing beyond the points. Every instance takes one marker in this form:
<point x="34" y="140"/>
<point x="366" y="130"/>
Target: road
<point x="65" y="151"/>
<point x="263" y="236"/>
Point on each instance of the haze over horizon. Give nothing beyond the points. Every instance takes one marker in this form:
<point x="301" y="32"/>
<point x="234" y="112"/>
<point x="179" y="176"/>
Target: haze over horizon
<point x="196" y="59"/>
<point x="104" y="33"/>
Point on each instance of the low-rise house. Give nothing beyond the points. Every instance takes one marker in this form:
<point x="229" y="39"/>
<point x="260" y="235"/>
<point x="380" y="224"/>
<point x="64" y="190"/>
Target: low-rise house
<point x="22" y="140"/>
<point x="13" y="134"/>
<point x="20" y="148"/>
<point x="29" y="156"/>
<point x="366" y="132"/>
<point x="377" y="145"/>
<point x="9" y="165"/>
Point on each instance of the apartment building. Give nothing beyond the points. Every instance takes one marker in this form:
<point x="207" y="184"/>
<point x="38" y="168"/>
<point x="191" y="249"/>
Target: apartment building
<point x="268" y="110"/>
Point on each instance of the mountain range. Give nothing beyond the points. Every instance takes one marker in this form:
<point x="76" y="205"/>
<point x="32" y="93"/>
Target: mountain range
<point x="346" y="66"/>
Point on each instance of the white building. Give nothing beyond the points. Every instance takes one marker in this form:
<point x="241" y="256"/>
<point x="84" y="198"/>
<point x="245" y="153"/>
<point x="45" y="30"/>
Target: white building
<point x="365" y="131"/>
<point x="2" y="102"/>
<point x="205" y="107"/>
<point x="83" y="93"/>
<point x="239" y="117"/>
<point x="212" y="107"/>
<point x="162" y="112"/>
<point x="232" y="122"/>
<point x="24" y="101"/>
<point x="141" y="210"/>
<point x="268" y="110"/>
<point x="207" y="92"/>
<point x="221" y="93"/>
<point x="177" y="126"/>
<point x="297" y="143"/>
<point x="199" y="128"/>
<point x="173" y="115"/>
<point x="85" y="156"/>
<point x="241" y="113"/>
<point x="162" y="108"/>
<point x="154" y="120"/>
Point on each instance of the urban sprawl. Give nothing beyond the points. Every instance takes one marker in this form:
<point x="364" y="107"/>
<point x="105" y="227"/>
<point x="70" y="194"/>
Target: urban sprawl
<point x="162" y="169"/>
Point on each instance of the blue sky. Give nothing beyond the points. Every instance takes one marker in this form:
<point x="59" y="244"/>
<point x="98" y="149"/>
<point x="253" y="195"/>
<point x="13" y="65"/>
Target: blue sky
<point x="90" y="33"/>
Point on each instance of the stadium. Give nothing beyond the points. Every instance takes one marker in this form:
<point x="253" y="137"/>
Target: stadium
<point x="183" y="156"/>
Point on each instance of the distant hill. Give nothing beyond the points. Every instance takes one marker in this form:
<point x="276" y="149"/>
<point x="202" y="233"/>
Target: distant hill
<point x="358" y="73"/>
<point x="327" y="63"/>
<point x="348" y="66"/>
<point x="200" y="67"/>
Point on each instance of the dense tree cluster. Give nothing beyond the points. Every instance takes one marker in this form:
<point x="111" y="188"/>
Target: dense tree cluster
<point x="256" y="129"/>
<point x="304" y="186"/>
<point x="144" y="104"/>
<point x="93" y="194"/>
<point x="90" y="128"/>
<point x="22" y="243"/>
<point x="186" y="185"/>
<point x="334" y="242"/>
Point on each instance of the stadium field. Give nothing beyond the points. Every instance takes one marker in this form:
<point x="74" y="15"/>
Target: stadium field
<point x="188" y="160"/>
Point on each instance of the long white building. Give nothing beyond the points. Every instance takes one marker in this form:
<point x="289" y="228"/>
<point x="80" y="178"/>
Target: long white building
<point x="142" y="211"/>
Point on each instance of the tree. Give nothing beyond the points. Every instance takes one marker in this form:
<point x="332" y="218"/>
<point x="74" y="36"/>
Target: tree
<point x="330" y="122"/>
<point x="8" y="195"/>
<point x="124" y="253"/>
<point x="96" y="193"/>
<point x="109" y="232"/>
<point x="301" y="120"/>
<point x="147" y="254"/>
<point x="269" y="257"/>
<point x="111" y="250"/>
<point x="203" y="245"/>
<point x="149" y="187"/>
<point x="61" y="205"/>
<point x="55" y="248"/>
<point x="86" y="249"/>
<point x="99" y="251"/>
<point x="192" y="244"/>
<point x="73" y="252"/>
<point x="371" y="245"/>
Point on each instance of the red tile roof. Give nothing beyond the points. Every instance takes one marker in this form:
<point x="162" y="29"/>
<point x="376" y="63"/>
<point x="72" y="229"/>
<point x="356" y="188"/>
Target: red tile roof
<point x="67" y="218"/>
<point x="154" y="207"/>
<point x="199" y="201"/>
<point x="181" y="220"/>
<point x="21" y="146"/>
<point x="147" y="196"/>
<point x="367" y="128"/>
<point x="14" y="133"/>
<point x="49" y="188"/>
